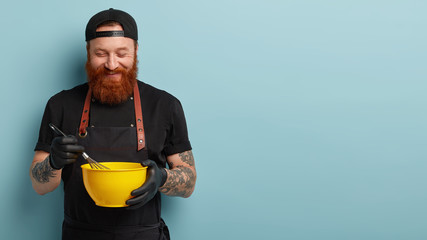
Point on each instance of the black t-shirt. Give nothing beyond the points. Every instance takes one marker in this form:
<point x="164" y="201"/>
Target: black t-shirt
<point x="164" y="121"/>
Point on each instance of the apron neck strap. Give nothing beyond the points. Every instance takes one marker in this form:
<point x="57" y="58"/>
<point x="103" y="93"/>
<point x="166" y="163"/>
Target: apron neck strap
<point x="138" y="117"/>
<point x="84" y="122"/>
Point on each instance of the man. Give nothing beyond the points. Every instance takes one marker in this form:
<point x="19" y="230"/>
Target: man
<point x="114" y="117"/>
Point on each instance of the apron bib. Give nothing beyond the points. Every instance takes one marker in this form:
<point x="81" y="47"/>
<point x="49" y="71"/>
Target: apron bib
<point x="82" y="218"/>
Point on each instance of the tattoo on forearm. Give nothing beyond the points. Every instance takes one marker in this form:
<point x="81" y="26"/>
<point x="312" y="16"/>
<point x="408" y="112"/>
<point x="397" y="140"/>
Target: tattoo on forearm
<point x="182" y="178"/>
<point x="180" y="182"/>
<point x="43" y="172"/>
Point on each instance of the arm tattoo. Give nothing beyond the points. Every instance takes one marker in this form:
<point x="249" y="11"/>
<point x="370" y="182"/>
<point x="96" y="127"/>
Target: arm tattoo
<point x="181" y="179"/>
<point x="187" y="157"/>
<point x="179" y="183"/>
<point x="42" y="171"/>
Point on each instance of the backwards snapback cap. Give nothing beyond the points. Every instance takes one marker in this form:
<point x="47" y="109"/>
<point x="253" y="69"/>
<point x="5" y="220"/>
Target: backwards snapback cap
<point x="130" y="29"/>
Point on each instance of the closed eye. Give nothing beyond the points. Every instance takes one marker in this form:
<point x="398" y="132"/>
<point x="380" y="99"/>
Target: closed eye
<point x="100" y="54"/>
<point x="122" y="54"/>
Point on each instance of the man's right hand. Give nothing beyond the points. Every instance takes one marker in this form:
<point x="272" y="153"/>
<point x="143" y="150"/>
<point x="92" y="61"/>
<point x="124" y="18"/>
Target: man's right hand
<point x="63" y="151"/>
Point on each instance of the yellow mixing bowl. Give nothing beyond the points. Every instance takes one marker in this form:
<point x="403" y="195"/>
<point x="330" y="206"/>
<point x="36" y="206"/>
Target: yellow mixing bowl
<point x="112" y="187"/>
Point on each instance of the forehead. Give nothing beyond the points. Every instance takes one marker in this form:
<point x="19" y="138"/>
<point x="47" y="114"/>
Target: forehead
<point x="111" y="43"/>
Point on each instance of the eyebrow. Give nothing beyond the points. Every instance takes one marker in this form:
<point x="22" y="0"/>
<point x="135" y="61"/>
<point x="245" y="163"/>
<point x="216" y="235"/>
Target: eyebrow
<point x="123" y="48"/>
<point x="118" y="49"/>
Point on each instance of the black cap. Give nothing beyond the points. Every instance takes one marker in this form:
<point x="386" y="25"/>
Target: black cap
<point x="130" y="29"/>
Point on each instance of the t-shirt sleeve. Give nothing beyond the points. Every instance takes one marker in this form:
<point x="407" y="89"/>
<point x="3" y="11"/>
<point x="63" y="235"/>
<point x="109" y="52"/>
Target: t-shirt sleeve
<point x="45" y="133"/>
<point x="177" y="137"/>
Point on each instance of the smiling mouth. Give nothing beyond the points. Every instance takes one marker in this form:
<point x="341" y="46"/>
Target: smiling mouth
<point x="113" y="75"/>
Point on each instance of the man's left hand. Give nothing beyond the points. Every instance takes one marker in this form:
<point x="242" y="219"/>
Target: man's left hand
<point x="156" y="177"/>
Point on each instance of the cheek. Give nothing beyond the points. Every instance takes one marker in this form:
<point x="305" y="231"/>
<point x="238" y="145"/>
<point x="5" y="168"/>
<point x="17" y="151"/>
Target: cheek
<point x="95" y="63"/>
<point x="127" y="63"/>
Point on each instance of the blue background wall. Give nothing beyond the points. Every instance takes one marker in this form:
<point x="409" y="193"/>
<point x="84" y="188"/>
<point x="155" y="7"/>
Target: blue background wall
<point x="307" y="118"/>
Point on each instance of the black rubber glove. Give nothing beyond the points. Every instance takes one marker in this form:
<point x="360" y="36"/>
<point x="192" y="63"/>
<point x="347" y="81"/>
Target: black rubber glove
<point x="63" y="151"/>
<point x="156" y="177"/>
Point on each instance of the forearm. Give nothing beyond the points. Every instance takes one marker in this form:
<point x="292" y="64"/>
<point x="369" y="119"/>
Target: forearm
<point x="180" y="182"/>
<point x="181" y="175"/>
<point x="43" y="177"/>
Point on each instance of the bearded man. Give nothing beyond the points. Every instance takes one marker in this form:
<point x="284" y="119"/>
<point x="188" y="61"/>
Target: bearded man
<point x="114" y="117"/>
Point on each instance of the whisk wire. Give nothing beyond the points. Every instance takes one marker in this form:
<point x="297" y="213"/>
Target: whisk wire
<point x="92" y="163"/>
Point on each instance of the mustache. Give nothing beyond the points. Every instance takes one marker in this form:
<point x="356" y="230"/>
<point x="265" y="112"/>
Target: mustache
<point x="104" y="71"/>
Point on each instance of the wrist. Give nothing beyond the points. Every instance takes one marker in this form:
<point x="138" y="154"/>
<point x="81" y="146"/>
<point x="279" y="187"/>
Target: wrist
<point x="52" y="165"/>
<point x="164" y="176"/>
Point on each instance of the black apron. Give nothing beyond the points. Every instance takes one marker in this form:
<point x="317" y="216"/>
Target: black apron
<point x="82" y="218"/>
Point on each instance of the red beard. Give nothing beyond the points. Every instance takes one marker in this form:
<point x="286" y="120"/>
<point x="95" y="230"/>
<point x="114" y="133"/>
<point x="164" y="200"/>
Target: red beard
<point x="111" y="92"/>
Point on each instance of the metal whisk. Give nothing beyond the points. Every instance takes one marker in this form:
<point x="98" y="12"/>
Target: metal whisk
<point x="92" y="163"/>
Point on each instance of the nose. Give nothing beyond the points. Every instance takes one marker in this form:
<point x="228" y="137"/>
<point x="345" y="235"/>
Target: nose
<point x="111" y="63"/>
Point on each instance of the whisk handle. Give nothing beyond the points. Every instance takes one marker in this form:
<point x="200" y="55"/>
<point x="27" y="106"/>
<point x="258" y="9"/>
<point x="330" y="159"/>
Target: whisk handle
<point x="85" y="156"/>
<point x="56" y="130"/>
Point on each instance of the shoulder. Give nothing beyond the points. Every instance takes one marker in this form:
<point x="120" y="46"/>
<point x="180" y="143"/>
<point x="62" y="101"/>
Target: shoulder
<point x="69" y="99"/>
<point x="150" y="93"/>
<point x="159" y="104"/>
<point x="77" y="92"/>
